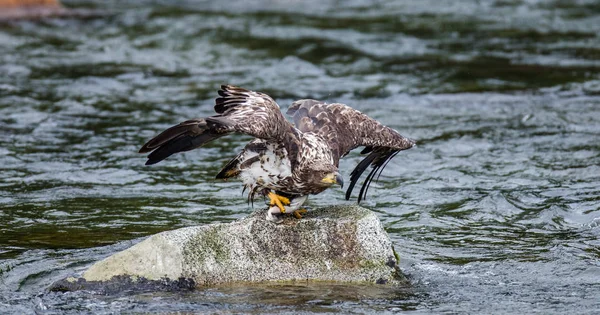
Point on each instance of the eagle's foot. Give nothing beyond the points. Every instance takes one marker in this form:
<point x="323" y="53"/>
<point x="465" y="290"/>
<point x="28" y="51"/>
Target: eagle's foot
<point x="298" y="213"/>
<point x="279" y="201"/>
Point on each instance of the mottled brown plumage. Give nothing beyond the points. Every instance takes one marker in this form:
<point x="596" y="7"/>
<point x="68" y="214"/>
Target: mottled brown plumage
<point x="291" y="159"/>
<point x="345" y="129"/>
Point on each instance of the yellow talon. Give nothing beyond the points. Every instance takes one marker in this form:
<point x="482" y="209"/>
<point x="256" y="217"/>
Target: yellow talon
<point x="284" y="200"/>
<point x="298" y="213"/>
<point x="278" y="200"/>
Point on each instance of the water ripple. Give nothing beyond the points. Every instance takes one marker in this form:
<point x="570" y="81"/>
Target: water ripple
<point x="496" y="209"/>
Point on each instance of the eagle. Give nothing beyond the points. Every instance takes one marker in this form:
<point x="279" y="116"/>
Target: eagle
<point x="285" y="161"/>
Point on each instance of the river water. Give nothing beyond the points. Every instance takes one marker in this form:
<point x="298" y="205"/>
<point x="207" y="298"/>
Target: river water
<point x="497" y="210"/>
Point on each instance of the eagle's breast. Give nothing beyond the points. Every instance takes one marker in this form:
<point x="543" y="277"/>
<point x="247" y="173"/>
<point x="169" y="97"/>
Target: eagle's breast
<point x="269" y="167"/>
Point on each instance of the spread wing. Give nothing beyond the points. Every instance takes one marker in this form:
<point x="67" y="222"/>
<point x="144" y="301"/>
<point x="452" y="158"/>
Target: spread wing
<point x="249" y="112"/>
<point x="238" y="110"/>
<point x="258" y="115"/>
<point x="345" y="129"/>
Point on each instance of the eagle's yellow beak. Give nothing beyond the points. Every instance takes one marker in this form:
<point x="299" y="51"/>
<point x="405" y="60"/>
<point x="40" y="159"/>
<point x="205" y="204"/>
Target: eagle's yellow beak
<point x="333" y="178"/>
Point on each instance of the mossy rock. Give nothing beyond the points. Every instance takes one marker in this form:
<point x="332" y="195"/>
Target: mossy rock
<point x="339" y="243"/>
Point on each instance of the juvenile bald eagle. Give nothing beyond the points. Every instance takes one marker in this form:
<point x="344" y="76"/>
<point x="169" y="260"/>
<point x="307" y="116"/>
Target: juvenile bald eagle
<point x="285" y="162"/>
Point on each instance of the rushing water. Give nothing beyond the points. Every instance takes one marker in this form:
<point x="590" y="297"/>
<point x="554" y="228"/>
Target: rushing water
<point x="496" y="210"/>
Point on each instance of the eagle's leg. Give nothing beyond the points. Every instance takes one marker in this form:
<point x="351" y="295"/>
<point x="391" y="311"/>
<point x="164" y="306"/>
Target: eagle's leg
<point x="279" y="201"/>
<point x="291" y="204"/>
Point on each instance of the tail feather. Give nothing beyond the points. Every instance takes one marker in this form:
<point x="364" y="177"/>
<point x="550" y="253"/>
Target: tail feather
<point x="185" y="136"/>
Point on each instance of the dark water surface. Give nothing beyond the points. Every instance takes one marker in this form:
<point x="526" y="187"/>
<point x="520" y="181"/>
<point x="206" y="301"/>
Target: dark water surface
<point x="497" y="210"/>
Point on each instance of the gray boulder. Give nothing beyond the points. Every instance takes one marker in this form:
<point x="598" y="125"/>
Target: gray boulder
<point x="339" y="243"/>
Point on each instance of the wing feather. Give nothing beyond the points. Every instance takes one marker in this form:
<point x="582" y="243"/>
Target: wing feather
<point x="238" y="110"/>
<point x="345" y="129"/>
<point x="249" y="112"/>
<point x="186" y="136"/>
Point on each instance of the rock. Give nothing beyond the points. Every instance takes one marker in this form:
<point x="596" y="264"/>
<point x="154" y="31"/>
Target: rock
<point x="339" y="243"/>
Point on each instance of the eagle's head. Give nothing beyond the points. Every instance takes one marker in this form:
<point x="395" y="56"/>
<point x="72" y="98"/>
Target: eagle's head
<point x="330" y="177"/>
